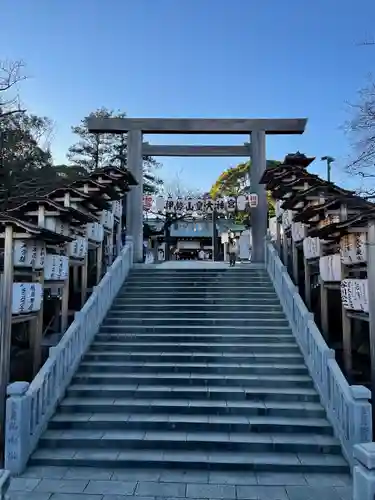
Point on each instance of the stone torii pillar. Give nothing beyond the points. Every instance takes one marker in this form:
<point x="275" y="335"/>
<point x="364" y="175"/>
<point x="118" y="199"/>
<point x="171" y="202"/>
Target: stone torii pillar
<point x="134" y="199"/>
<point x="259" y="213"/>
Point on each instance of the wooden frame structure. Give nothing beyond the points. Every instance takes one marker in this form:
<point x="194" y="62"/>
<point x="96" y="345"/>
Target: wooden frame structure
<point x="51" y="227"/>
<point x="317" y="217"/>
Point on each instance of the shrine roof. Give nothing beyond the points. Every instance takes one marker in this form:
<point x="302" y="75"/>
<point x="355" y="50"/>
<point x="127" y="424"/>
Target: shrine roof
<point x="336" y="230"/>
<point x="126" y="175"/>
<point x="323" y="188"/>
<point x="354" y="202"/>
<point x="36" y="232"/>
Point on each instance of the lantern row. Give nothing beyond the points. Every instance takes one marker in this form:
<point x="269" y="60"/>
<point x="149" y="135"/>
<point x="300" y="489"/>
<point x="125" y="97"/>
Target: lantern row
<point x="201" y="205"/>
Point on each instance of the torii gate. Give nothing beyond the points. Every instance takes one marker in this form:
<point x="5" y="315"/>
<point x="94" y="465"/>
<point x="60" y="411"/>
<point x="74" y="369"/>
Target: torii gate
<point x="257" y="128"/>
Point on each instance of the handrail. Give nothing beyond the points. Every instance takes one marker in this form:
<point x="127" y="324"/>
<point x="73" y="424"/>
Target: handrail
<point x="347" y="406"/>
<point x="29" y="407"/>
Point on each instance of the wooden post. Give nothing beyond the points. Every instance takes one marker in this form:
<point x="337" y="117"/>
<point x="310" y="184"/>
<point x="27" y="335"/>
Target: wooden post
<point x="84" y="280"/>
<point x="99" y="262"/>
<point x="278" y="236"/>
<point x="307" y="283"/>
<point x="6" y="321"/>
<point x="65" y="305"/>
<point x="346" y="321"/>
<point x="36" y="329"/>
<point x="285" y="249"/>
<point x="118" y="238"/>
<point x="295" y="262"/>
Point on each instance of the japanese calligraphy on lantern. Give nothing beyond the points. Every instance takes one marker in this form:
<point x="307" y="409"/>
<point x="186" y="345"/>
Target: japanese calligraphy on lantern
<point x="117" y="208"/>
<point x="353" y="248"/>
<point x="147" y="203"/>
<point x="298" y="231"/>
<point x="77" y="248"/>
<point x="29" y="253"/>
<point x="26" y="297"/>
<point x="287" y="219"/>
<point x="107" y="219"/>
<point x="56" y="268"/>
<point x="311" y="248"/>
<point x="354" y="294"/>
<point x="330" y="267"/>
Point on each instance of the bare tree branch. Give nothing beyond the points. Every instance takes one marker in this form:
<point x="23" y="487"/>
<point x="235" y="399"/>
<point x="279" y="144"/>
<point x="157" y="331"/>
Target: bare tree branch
<point x="11" y="74"/>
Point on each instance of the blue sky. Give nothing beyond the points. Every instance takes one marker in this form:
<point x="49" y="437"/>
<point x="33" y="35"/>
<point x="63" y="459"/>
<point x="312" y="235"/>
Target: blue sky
<point x="196" y="58"/>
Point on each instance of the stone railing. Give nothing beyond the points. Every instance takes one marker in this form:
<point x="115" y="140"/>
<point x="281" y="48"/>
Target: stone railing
<point x="347" y="406"/>
<point x="29" y="407"/>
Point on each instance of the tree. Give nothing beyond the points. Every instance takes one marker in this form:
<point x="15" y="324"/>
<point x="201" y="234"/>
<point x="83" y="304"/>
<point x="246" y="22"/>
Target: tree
<point x="361" y="130"/>
<point x="236" y="181"/>
<point x="94" y="150"/>
<point x="11" y="73"/>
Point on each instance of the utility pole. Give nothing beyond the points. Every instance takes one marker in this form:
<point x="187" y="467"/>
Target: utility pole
<point x="329" y="160"/>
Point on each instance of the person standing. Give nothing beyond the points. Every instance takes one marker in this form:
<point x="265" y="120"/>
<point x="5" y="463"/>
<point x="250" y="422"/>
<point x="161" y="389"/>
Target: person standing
<point x="233" y="250"/>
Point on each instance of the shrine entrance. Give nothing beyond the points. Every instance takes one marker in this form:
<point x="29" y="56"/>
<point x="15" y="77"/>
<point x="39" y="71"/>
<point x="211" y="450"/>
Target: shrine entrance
<point x="256" y="150"/>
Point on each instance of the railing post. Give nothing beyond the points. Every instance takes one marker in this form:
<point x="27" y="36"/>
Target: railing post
<point x="362" y="414"/>
<point x="4" y="483"/>
<point x="364" y="472"/>
<point x="17" y="427"/>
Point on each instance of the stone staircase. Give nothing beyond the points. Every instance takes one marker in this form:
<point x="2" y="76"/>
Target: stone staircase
<point x="193" y="369"/>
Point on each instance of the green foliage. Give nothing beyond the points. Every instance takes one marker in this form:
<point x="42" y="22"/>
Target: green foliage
<point x="93" y="151"/>
<point x="234" y="181"/>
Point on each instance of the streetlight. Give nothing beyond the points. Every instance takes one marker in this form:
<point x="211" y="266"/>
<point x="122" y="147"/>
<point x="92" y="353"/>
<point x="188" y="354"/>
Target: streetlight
<point x="329" y="160"/>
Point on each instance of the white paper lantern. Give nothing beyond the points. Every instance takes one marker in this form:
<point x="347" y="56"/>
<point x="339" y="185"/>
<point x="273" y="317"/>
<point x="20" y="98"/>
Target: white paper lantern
<point x="353" y="248"/>
<point x="209" y="206"/>
<point x="56" y="268"/>
<point x="220" y="205"/>
<point x="160" y="204"/>
<point x="330" y="267"/>
<point x="354" y="294"/>
<point x="170" y="205"/>
<point x="253" y="200"/>
<point x="26" y="297"/>
<point x="107" y="219"/>
<point x="231" y="204"/>
<point x="199" y="205"/>
<point x="298" y="231"/>
<point x="179" y="206"/>
<point x="311" y="248"/>
<point x="241" y="203"/>
<point x="28" y="253"/>
<point x="278" y="210"/>
<point x="287" y="218"/>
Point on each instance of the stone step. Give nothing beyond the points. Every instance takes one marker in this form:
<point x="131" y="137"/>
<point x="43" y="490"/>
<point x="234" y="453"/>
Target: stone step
<point x="209" y="357"/>
<point x="191" y="441"/>
<point x="198" y="347"/>
<point x="131" y="312"/>
<point x="185" y="292"/>
<point x="154" y="367"/>
<point x="155" y="321"/>
<point x="109" y="333"/>
<point x="228" y="393"/>
<point x="169" y="300"/>
<point x="196" y="460"/>
<point x="223" y="272"/>
<point x="191" y="407"/>
<point x="194" y="379"/>
<point x="188" y="423"/>
<point x="179" y="307"/>
<point x="203" y="289"/>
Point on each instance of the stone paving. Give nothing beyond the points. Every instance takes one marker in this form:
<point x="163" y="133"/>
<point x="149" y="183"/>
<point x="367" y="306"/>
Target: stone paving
<point x="63" y="483"/>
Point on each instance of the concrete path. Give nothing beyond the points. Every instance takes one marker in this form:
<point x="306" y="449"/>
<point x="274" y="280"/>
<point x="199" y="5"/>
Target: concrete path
<point x="62" y="483"/>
